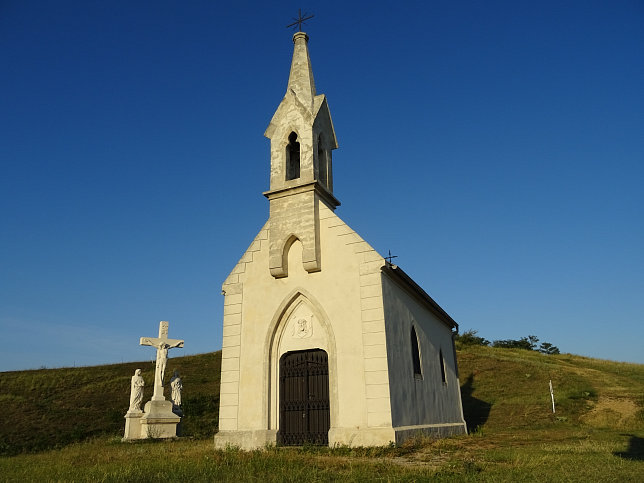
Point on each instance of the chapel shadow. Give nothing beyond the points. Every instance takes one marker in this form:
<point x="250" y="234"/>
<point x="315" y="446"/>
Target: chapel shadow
<point x="635" y="450"/>
<point x="475" y="411"/>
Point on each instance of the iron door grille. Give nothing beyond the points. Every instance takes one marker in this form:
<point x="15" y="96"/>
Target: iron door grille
<point x="304" y="398"/>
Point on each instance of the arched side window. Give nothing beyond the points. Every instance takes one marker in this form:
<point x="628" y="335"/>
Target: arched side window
<point x="292" y="157"/>
<point x="442" y="364"/>
<point x="322" y="163"/>
<point x="415" y="354"/>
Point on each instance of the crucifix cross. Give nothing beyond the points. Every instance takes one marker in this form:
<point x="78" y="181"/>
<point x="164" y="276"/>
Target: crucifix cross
<point x="390" y="257"/>
<point x="299" y="20"/>
<point x="162" y="343"/>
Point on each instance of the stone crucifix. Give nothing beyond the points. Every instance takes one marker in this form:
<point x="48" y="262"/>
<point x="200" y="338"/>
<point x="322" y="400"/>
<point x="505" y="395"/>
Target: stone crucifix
<point x="162" y="343"/>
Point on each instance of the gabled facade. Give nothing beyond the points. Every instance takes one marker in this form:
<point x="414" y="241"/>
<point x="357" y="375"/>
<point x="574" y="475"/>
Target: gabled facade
<point x="323" y="340"/>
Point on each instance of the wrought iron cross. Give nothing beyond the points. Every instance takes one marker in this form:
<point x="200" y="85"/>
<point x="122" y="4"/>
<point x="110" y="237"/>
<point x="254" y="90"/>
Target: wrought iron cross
<point x="390" y="257"/>
<point x="300" y="20"/>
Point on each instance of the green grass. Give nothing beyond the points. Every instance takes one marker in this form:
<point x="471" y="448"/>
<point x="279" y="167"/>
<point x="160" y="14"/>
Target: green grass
<point x="50" y="408"/>
<point x="66" y="425"/>
<point x="533" y="456"/>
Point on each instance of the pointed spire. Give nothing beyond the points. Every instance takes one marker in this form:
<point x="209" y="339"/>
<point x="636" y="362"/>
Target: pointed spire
<point x="300" y="80"/>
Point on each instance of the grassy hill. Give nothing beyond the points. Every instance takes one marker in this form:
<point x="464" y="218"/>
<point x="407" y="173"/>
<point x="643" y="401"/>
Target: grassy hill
<point x="508" y="388"/>
<point x="596" y="433"/>
<point x="49" y="408"/>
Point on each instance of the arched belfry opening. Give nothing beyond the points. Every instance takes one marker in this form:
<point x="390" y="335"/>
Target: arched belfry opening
<point x="292" y="157"/>
<point x="323" y="168"/>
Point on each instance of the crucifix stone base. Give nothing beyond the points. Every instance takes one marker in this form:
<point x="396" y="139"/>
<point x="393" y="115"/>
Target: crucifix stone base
<point x="158" y="420"/>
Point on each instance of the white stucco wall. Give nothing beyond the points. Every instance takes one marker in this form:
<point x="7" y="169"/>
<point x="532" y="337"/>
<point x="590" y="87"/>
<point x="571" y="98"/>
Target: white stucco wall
<point x="425" y="401"/>
<point x="344" y="301"/>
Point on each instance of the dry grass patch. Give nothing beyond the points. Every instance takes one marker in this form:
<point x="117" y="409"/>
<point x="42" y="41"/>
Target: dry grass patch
<point x="612" y="412"/>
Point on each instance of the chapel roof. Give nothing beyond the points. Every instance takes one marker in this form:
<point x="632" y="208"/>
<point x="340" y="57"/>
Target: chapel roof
<point x="397" y="274"/>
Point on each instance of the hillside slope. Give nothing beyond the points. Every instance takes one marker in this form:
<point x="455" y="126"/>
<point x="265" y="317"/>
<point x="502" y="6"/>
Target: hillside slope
<point x="503" y="390"/>
<point x="509" y="388"/>
<point x="49" y="408"/>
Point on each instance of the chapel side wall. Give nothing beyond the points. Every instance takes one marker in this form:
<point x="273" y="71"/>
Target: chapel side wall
<point x="427" y="400"/>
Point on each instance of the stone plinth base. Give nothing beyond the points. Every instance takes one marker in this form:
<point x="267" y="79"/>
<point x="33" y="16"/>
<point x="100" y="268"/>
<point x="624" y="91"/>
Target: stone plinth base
<point x="133" y="425"/>
<point x="445" y="430"/>
<point x="246" y="439"/>
<point x="257" y="439"/>
<point x="385" y="435"/>
<point x="156" y="421"/>
<point x="361" y="436"/>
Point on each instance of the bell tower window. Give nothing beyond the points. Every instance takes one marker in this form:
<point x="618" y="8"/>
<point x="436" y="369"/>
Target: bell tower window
<point x="292" y="157"/>
<point x="322" y="164"/>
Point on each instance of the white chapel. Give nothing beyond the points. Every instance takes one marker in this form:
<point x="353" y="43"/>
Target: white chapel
<point x="324" y="340"/>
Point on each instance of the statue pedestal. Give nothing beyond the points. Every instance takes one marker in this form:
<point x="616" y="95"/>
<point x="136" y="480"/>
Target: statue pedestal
<point x="158" y="420"/>
<point x="133" y="425"/>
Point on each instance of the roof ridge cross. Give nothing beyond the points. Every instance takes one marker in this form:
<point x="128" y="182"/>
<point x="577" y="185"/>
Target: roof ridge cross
<point x="300" y="20"/>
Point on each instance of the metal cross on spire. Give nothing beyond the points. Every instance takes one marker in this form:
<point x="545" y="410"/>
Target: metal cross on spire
<point x="390" y="257"/>
<point x="300" y="20"/>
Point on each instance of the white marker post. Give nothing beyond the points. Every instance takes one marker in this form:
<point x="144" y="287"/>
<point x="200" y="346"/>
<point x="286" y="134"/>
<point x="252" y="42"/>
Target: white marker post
<point x="552" y="396"/>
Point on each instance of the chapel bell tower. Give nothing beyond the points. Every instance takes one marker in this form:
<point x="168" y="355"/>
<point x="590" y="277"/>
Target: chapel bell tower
<point x="302" y="138"/>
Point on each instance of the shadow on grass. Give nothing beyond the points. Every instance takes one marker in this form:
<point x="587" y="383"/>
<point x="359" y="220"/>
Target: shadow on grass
<point x="635" y="449"/>
<point x="475" y="411"/>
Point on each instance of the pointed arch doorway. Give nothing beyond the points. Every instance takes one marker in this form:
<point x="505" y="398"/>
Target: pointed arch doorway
<point x="304" y="409"/>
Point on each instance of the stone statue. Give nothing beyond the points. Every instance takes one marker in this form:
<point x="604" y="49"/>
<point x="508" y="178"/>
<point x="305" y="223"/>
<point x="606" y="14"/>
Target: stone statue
<point x="159" y="418"/>
<point x="136" y="394"/>
<point x="176" y="385"/>
<point x="162" y="344"/>
<point x="162" y="359"/>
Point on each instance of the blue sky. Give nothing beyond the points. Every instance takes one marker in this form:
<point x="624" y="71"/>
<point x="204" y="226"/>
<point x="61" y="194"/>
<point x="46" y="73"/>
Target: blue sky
<point x="496" y="147"/>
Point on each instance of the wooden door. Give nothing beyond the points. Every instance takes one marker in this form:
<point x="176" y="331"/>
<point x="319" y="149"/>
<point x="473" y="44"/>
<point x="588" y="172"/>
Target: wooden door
<point x="304" y="398"/>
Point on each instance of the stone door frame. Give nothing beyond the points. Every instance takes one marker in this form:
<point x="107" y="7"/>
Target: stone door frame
<point x="270" y="416"/>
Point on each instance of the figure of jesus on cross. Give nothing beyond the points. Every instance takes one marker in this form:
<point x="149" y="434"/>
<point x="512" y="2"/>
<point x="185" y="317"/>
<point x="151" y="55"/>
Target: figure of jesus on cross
<point x="162" y="343"/>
